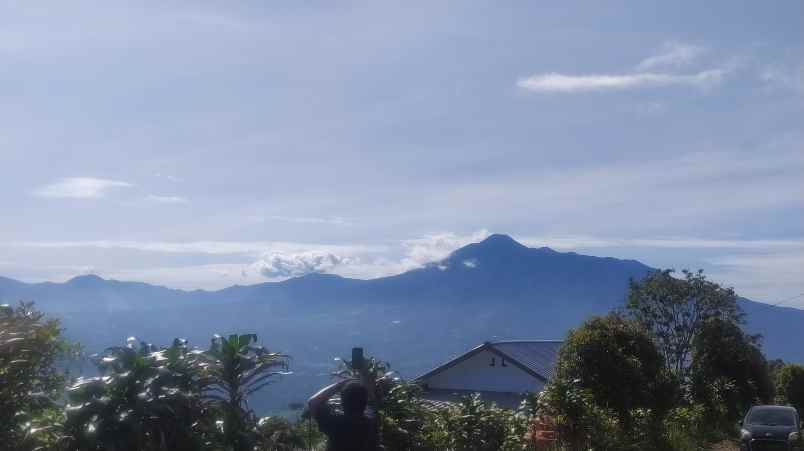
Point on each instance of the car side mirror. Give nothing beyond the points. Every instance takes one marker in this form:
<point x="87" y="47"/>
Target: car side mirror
<point x="740" y="424"/>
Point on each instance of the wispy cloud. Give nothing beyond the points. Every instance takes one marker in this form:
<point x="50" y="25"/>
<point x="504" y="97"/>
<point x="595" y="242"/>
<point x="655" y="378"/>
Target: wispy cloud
<point x="79" y="188"/>
<point x="587" y="242"/>
<point x="773" y="277"/>
<point x="242" y="248"/>
<point x="561" y="83"/>
<point x="308" y="220"/>
<point x="673" y="54"/>
<point x="650" y="72"/>
<point x="166" y="199"/>
<point x="784" y="77"/>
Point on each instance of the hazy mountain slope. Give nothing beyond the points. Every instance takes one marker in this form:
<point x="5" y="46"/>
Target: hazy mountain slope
<point x="495" y="289"/>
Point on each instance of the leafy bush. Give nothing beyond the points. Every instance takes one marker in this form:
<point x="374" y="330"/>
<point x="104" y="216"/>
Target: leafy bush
<point x="790" y="386"/>
<point x="30" y="345"/>
<point x="278" y="434"/>
<point x="147" y="399"/>
<point x="729" y="373"/>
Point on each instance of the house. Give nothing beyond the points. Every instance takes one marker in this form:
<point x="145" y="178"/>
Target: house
<point x="500" y="371"/>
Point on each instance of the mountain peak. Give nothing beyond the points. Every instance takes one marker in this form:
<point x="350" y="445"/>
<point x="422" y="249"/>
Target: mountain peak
<point x="496" y="245"/>
<point x="87" y="279"/>
<point x="501" y="241"/>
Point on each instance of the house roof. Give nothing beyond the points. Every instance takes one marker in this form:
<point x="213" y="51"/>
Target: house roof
<point x="535" y="357"/>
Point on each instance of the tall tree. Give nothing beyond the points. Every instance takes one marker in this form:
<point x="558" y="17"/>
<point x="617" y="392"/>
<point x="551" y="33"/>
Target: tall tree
<point x="619" y="365"/>
<point x="790" y="386"/>
<point x="674" y="311"/>
<point x="729" y="372"/>
<point x="234" y="368"/>
<point x="30" y="345"/>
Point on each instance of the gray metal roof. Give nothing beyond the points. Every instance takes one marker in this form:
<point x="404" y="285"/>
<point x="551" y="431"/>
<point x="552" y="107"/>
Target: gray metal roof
<point x="538" y="355"/>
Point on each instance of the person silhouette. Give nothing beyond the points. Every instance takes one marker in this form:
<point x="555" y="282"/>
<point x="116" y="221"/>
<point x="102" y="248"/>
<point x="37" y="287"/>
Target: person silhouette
<point x="353" y="430"/>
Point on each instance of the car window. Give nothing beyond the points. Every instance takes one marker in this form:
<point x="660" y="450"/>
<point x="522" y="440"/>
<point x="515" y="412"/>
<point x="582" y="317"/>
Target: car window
<point x="772" y="417"/>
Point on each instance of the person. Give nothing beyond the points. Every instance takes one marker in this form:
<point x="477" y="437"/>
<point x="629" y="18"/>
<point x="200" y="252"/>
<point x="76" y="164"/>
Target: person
<point x="355" y="429"/>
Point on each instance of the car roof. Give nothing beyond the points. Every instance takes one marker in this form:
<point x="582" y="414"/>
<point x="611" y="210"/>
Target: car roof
<point x="773" y="407"/>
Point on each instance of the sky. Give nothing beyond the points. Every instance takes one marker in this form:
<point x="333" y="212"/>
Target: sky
<point x="206" y="144"/>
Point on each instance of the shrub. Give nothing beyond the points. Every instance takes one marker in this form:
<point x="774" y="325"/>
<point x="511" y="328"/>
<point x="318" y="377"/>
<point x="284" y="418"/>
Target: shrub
<point x="30" y="345"/>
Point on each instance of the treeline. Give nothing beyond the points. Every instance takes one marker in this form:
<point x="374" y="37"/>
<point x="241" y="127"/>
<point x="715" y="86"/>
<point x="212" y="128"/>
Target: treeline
<point x="672" y="369"/>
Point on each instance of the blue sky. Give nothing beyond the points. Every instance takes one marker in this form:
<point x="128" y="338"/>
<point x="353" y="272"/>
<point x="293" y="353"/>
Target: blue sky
<point x="205" y="144"/>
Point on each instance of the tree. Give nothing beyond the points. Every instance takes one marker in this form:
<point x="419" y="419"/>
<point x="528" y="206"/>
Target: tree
<point x="790" y="386"/>
<point x="674" y="311"/>
<point x="233" y="369"/>
<point x="30" y="345"/>
<point x="147" y="399"/>
<point x="619" y="364"/>
<point x="729" y="372"/>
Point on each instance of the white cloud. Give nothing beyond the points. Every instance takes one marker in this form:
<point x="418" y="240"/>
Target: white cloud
<point x="702" y="186"/>
<point x="430" y="248"/>
<point x="673" y="54"/>
<point x="554" y="82"/>
<point x="244" y="248"/>
<point x="79" y="188"/>
<point x="280" y="265"/>
<point x="309" y="220"/>
<point x="650" y="73"/>
<point x="789" y="78"/>
<point x="773" y="277"/>
<point x="586" y="242"/>
<point x="366" y="262"/>
<point x="166" y="199"/>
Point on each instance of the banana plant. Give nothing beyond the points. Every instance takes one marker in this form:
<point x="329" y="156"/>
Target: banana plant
<point x="234" y="368"/>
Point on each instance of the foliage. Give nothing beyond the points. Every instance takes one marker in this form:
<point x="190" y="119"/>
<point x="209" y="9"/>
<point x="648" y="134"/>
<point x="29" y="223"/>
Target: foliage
<point x="30" y="345"/>
<point x="674" y="311"/>
<point x="687" y="428"/>
<point x="618" y="364"/>
<point x="232" y="369"/>
<point x="279" y="434"/>
<point x="475" y="425"/>
<point x="172" y="398"/>
<point x="729" y="372"/>
<point x="147" y="399"/>
<point x="581" y="423"/>
<point x="790" y="386"/>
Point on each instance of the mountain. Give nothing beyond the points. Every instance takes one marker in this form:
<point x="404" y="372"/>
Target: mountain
<point x="494" y="289"/>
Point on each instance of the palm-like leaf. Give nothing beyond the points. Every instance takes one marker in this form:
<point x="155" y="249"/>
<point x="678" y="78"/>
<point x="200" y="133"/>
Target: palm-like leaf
<point x="233" y="368"/>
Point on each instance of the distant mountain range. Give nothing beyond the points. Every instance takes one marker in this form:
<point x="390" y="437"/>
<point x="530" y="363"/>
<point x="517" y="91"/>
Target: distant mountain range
<point x="494" y="289"/>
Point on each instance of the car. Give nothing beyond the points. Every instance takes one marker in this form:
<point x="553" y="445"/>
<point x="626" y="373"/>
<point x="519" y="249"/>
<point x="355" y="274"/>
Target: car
<point x="770" y="428"/>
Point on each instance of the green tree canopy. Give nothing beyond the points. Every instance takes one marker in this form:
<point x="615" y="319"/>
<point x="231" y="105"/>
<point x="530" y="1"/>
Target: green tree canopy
<point x="729" y="372"/>
<point x="790" y="386"/>
<point x="619" y="365"/>
<point x="30" y="345"/>
<point x="674" y="311"/>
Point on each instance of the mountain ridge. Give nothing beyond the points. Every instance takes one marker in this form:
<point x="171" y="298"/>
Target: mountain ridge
<point x="497" y="289"/>
<point x="495" y="247"/>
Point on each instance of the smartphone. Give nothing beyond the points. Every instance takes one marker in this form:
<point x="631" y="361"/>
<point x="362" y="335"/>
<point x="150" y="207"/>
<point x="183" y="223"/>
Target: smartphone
<point x="358" y="361"/>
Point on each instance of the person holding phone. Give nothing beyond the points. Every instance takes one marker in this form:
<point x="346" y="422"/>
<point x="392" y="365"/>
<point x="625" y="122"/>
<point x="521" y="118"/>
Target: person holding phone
<point x="356" y="428"/>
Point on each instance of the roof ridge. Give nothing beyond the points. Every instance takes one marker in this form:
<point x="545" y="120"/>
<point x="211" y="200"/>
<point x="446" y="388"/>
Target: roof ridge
<point x="525" y="341"/>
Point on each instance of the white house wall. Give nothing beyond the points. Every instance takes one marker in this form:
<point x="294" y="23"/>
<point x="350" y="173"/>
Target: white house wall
<point x="475" y="373"/>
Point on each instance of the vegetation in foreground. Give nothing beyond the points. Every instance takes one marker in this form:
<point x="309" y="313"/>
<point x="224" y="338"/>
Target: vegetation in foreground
<point x="671" y="370"/>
